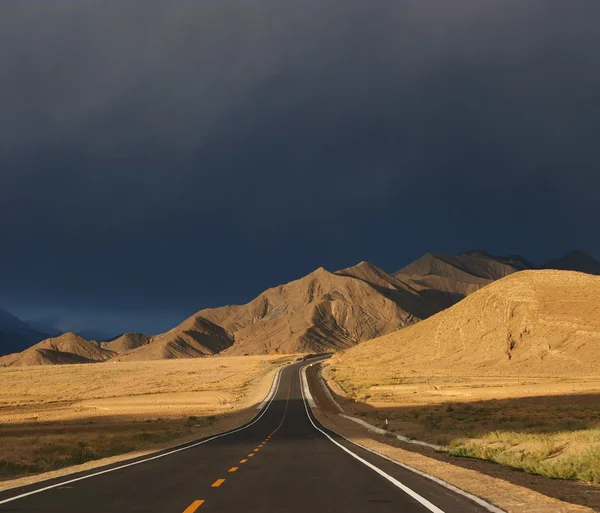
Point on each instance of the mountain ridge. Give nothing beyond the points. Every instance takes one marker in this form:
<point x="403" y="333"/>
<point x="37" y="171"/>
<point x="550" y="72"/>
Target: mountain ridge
<point x="322" y="311"/>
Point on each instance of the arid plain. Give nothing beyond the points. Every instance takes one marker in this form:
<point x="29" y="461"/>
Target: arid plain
<point x="56" y="416"/>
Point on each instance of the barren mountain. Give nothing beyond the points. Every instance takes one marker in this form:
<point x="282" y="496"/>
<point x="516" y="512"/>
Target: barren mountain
<point x="323" y="311"/>
<point x="193" y="338"/>
<point x="68" y="348"/>
<point x="532" y="323"/>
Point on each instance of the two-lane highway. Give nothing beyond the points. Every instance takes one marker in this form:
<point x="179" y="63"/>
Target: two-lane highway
<point x="284" y="460"/>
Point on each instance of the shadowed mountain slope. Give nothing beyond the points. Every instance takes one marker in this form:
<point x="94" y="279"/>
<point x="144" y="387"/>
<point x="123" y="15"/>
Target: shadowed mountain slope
<point x="575" y="261"/>
<point x="461" y="274"/>
<point x="195" y="337"/>
<point x="126" y="342"/>
<point x="531" y="323"/>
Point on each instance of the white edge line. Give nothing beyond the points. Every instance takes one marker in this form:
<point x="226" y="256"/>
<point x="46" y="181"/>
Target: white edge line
<point x="306" y="393"/>
<point x="364" y="423"/>
<point x="81" y="478"/>
<point x="304" y="383"/>
<point x="271" y="391"/>
<point x="445" y="484"/>
<point x="415" y="495"/>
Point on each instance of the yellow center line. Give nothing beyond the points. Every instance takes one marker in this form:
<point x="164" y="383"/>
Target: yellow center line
<point x="193" y="506"/>
<point x="196" y="504"/>
<point x="287" y="402"/>
<point x="251" y="455"/>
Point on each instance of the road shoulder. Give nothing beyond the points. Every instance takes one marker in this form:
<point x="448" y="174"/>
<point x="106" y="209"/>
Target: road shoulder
<point x="507" y="496"/>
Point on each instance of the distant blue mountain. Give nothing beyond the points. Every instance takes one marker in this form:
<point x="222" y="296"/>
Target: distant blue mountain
<point x="575" y="261"/>
<point x="16" y="335"/>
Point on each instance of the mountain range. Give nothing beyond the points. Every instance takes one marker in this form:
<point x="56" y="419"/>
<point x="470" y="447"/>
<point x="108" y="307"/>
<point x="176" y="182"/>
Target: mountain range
<point x="323" y="311"/>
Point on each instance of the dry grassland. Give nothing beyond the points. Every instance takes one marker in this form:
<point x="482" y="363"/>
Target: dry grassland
<point x="57" y="416"/>
<point x="547" y="426"/>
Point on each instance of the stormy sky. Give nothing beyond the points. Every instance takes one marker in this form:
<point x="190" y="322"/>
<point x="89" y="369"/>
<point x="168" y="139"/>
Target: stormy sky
<point x="157" y="158"/>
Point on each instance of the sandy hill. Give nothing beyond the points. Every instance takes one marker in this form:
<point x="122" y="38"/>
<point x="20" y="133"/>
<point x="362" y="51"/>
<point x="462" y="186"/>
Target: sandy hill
<point x="16" y="335"/>
<point x="575" y="261"/>
<point x="531" y="323"/>
<point x="461" y="274"/>
<point x="68" y="348"/>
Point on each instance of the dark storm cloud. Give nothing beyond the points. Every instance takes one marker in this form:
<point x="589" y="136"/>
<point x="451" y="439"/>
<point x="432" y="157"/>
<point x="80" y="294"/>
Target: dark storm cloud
<point x="160" y="156"/>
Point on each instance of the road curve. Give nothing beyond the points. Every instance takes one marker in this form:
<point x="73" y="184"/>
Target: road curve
<point x="284" y="461"/>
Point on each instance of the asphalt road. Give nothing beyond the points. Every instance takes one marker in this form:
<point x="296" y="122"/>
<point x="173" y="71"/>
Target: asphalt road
<point x="283" y="462"/>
